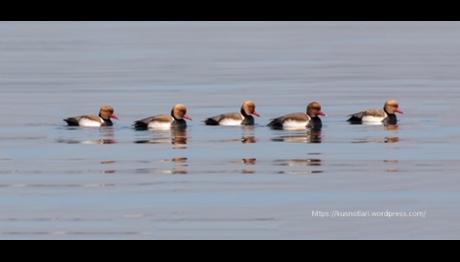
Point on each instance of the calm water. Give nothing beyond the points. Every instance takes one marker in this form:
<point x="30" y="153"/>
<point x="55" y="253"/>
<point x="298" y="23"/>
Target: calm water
<point x="210" y="182"/>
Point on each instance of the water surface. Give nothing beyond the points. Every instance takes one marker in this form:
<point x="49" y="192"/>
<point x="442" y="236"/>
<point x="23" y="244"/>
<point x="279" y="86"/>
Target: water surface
<point x="209" y="182"/>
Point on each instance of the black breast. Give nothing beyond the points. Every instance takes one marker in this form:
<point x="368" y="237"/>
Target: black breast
<point x="390" y="120"/>
<point x="316" y="123"/>
<point x="107" y="122"/>
<point x="179" y="123"/>
<point x="248" y="121"/>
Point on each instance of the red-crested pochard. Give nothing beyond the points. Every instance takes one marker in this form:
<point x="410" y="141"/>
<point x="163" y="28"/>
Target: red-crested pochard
<point x="300" y="121"/>
<point x="244" y="118"/>
<point x="165" y="122"/>
<point x="387" y="115"/>
<point x="106" y="114"/>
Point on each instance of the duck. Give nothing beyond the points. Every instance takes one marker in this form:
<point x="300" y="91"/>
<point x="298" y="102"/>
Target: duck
<point x="300" y="121"/>
<point x="243" y="118"/>
<point x="104" y="118"/>
<point x="177" y="119"/>
<point x="386" y="116"/>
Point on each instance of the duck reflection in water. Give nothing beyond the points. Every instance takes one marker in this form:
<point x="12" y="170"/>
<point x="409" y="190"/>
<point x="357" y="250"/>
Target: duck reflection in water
<point x="107" y="137"/>
<point x="109" y="167"/>
<point x="392" y="166"/>
<point x="312" y="136"/>
<point x="248" y="135"/>
<point x="180" y="166"/>
<point x="300" y="166"/>
<point x="174" y="166"/>
<point x="391" y="139"/>
<point x="248" y="163"/>
<point x="387" y="139"/>
<point x="179" y="138"/>
<point x="176" y="136"/>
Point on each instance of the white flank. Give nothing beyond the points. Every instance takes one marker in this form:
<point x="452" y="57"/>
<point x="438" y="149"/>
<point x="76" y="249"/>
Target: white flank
<point x="89" y="123"/>
<point x="372" y="120"/>
<point x="295" y="125"/>
<point x="230" y="122"/>
<point x="159" y="126"/>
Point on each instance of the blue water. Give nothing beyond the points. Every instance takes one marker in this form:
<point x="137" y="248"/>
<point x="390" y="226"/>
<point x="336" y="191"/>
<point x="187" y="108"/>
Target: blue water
<point x="227" y="183"/>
